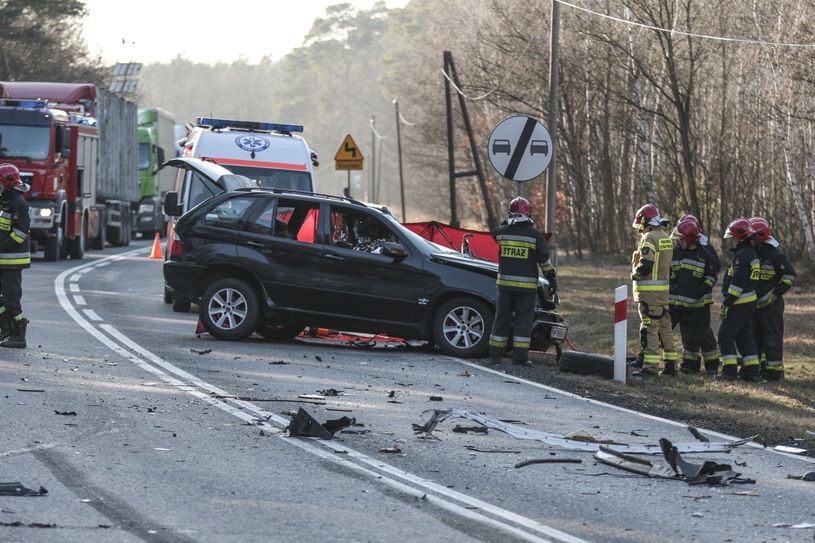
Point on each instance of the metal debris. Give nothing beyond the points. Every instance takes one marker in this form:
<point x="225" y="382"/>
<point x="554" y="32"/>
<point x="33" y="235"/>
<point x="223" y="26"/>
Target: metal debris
<point x="17" y="489"/>
<point x="438" y="415"/>
<point x="548" y="461"/>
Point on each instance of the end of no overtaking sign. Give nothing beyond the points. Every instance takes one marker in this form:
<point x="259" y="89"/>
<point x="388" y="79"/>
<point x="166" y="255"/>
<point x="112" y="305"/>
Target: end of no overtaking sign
<point x="519" y="148"/>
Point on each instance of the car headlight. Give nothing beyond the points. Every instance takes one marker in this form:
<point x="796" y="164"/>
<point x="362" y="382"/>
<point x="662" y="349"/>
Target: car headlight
<point x="44" y="212"/>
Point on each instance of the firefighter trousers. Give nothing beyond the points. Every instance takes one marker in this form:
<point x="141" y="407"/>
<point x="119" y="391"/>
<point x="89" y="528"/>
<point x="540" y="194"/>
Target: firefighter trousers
<point x="736" y="337"/>
<point x="522" y="305"/>
<point x="768" y="333"/>
<point x="11" y="292"/>
<point x="698" y="340"/>
<point x="656" y="337"/>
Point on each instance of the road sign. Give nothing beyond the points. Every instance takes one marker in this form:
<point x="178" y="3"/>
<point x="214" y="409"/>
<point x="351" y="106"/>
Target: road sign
<point x="520" y="148"/>
<point x="348" y="157"/>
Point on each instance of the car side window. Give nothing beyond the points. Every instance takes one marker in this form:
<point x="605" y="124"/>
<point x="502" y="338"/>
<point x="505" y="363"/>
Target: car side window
<point x="296" y="220"/>
<point x="358" y="231"/>
<point x="228" y="214"/>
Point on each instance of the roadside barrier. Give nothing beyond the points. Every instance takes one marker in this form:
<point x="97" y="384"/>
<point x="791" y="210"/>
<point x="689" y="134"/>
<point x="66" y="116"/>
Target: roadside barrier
<point x="620" y="332"/>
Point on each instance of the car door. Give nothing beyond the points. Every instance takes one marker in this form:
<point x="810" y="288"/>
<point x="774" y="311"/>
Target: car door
<point x="362" y="284"/>
<point x="278" y="246"/>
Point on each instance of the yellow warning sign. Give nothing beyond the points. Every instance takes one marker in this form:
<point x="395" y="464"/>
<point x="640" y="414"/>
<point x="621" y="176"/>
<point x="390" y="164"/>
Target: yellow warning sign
<point x="348" y="157"/>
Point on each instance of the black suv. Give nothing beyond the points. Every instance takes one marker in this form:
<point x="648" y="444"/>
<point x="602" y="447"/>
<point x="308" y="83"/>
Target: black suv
<point x="273" y="262"/>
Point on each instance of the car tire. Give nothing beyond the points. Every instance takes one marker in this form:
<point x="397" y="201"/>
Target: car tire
<point x="462" y="326"/>
<point x="180" y="307"/>
<point x="229" y="309"/>
<point x="279" y="332"/>
<point x="586" y="363"/>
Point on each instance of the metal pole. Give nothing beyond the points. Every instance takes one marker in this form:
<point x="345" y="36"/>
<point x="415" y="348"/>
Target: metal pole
<point x="551" y="192"/>
<point x="373" y="159"/>
<point x="399" y="152"/>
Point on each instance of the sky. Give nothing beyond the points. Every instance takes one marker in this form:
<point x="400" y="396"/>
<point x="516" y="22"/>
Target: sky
<point x="149" y="31"/>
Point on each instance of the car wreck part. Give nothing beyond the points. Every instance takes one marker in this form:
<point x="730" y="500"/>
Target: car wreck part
<point x="548" y="461"/>
<point x="304" y="425"/>
<point x="708" y="472"/>
<point x="17" y="489"/>
<point x="439" y="415"/>
<point x="586" y="363"/>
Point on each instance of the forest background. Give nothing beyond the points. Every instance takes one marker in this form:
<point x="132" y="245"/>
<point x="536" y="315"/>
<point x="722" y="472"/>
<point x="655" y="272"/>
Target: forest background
<point x="698" y="106"/>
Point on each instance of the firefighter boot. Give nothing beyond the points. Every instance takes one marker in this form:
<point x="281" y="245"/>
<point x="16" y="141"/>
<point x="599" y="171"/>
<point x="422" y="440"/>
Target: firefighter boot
<point x="17" y="338"/>
<point x="669" y="369"/>
<point x="5" y="326"/>
<point x="712" y="366"/>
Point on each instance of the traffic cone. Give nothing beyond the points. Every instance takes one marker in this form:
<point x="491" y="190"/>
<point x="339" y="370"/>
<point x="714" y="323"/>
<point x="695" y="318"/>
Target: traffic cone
<point x="157" y="252"/>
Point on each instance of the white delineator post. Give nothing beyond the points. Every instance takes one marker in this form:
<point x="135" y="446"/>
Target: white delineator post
<point x="620" y="332"/>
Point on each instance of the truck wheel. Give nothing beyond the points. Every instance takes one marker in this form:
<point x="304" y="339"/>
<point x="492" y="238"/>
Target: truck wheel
<point x="101" y="240"/>
<point x="462" y="327"/>
<point x="53" y="245"/>
<point x="76" y="246"/>
<point x="229" y="309"/>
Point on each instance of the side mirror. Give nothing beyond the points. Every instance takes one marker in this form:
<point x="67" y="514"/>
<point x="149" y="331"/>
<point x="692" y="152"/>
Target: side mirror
<point x="171" y="207"/>
<point x="393" y="250"/>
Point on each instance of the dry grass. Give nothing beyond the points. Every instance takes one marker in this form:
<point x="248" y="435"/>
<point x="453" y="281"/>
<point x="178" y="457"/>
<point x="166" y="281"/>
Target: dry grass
<point x="780" y="412"/>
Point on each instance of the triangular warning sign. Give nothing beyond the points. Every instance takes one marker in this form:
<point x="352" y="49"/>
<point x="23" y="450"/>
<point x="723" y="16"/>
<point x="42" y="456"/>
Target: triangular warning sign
<point x="348" y="150"/>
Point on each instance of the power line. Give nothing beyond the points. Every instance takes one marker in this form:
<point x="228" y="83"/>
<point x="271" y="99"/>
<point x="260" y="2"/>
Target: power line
<point x="689" y="34"/>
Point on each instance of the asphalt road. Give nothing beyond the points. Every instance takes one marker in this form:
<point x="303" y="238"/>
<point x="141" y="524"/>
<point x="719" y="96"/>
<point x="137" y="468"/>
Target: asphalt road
<point x="141" y="430"/>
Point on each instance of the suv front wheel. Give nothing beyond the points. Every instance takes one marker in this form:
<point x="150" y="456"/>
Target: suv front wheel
<point x="229" y="309"/>
<point x="462" y="327"/>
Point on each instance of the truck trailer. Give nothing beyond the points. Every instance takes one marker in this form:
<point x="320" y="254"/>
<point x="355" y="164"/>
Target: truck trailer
<point x="157" y="143"/>
<point x="76" y="147"/>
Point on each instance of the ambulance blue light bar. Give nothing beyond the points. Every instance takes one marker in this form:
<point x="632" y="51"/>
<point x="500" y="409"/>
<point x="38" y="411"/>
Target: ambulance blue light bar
<point x="33" y="104"/>
<point x="248" y="125"/>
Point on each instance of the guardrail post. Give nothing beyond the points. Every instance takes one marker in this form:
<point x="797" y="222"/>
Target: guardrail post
<point x="620" y="332"/>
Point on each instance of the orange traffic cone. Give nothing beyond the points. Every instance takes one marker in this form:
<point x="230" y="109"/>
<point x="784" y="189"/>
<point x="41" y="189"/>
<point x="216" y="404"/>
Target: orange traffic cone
<point x="157" y="252"/>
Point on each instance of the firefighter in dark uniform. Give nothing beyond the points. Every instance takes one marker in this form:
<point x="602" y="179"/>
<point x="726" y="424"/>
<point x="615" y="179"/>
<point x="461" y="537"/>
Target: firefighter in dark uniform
<point x="15" y="256"/>
<point x="694" y="273"/>
<point x="651" y="274"/>
<point x="521" y="250"/>
<point x="776" y="277"/>
<point x="739" y="304"/>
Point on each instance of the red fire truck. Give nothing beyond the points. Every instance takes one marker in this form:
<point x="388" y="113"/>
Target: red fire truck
<point x="76" y="147"/>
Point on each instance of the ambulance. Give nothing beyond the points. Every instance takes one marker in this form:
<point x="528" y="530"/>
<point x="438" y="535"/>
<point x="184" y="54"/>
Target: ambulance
<point x="273" y="154"/>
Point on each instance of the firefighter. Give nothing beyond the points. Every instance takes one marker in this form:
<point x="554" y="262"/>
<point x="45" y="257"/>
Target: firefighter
<point x="14" y="256"/>
<point x="522" y="250"/>
<point x="739" y="304"/>
<point x="694" y="272"/>
<point x="651" y="273"/>
<point x="776" y="277"/>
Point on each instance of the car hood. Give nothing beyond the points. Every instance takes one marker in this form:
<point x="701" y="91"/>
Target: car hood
<point x="213" y="172"/>
<point x="459" y="260"/>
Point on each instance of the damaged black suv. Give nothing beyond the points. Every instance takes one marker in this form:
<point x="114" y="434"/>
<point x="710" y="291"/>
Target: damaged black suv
<point x="272" y="261"/>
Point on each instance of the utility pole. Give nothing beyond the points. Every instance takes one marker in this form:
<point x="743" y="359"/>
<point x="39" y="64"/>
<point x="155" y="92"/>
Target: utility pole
<point x="399" y="152"/>
<point x="551" y="189"/>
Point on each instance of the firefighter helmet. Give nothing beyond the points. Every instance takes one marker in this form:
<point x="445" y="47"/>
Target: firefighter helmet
<point x="739" y="229"/>
<point x="520" y="206"/>
<point x="687" y="230"/>
<point x="761" y="227"/>
<point x="10" y="176"/>
<point x="690" y="218"/>
<point x="648" y="215"/>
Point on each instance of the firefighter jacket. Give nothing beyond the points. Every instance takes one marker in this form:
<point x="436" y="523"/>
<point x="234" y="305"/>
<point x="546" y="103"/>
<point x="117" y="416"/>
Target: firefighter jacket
<point x="741" y="279"/>
<point x="15" y="253"/>
<point x="521" y="249"/>
<point x="651" y="267"/>
<point x="776" y="275"/>
<point x="694" y="273"/>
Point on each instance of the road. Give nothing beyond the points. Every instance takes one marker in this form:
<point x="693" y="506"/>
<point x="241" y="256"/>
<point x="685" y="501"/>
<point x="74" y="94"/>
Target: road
<point x="141" y="430"/>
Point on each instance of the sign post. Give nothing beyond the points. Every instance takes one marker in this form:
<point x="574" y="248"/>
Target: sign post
<point x="348" y="158"/>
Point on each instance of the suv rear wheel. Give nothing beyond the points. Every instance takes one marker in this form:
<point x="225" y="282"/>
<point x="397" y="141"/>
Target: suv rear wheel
<point x="462" y="327"/>
<point x="229" y="309"/>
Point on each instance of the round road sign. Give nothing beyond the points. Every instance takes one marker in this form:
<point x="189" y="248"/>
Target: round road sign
<point x="520" y="148"/>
